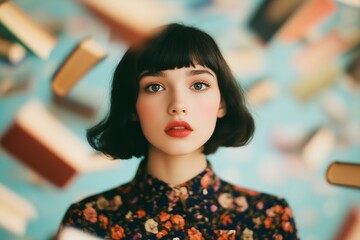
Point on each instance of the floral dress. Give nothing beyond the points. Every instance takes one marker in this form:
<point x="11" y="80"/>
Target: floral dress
<point x="204" y="207"/>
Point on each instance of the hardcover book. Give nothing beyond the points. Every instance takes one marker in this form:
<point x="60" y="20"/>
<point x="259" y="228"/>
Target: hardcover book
<point x="84" y="56"/>
<point x="131" y="21"/>
<point x="38" y="140"/>
<point x="15" y="210"/>
<point x="20" y="26"/>
<point x="344" y="174"/>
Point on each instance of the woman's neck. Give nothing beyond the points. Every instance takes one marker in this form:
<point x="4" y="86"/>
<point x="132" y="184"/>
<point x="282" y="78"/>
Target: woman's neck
<point x="175" y="170"/>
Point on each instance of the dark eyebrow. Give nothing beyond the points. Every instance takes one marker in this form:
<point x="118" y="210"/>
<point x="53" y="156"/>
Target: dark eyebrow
<point x="198" y="72"/>
<point x="161" y="73"/>
<point x="151" y="74"/>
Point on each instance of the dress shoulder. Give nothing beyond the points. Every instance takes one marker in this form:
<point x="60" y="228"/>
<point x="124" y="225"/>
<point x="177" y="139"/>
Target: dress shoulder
<point x="266" y="215"/>
<point x="87" y="213"/>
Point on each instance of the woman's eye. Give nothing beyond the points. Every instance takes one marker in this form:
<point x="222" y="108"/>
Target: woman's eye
<point x="200" y="86"/>
<point x="154" y="88"/>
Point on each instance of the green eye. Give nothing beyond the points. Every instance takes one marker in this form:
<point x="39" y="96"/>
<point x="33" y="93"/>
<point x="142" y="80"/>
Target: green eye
<point x="154" y="88"/>
<point x="199" y="86"/>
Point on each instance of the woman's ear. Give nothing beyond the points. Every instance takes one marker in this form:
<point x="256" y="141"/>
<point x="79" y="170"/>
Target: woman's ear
<point x="222" y="109"/>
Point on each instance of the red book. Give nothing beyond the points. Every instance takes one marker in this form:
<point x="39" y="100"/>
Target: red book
<point x="308" y="14"/>
<point x="38" y="140"/>
<point x="350" y="228"/>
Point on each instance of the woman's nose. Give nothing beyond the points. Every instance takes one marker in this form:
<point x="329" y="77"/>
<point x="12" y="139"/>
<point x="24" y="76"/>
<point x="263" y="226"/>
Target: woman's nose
<point x="177" y="106"/>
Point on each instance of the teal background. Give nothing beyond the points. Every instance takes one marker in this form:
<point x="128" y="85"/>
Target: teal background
<point x="319" y="208"/>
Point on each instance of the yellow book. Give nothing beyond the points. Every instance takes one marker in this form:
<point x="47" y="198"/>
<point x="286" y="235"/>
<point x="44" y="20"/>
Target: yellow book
<point x="85" y="56"/>
<point x="26" y="30"/>
<point x="315" y="82"/>
<point x="344" y="174"/>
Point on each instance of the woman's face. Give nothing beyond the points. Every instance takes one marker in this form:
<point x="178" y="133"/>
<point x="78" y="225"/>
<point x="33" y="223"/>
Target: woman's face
<point x="178" y="109"/>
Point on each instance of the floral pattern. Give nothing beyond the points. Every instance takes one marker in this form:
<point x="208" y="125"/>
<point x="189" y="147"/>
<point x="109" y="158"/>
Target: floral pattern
<point x="204" y="207"/>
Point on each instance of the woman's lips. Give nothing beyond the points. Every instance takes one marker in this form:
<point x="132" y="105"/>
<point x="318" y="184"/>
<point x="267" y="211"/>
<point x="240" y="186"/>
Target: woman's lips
<point x="178" y="129"/>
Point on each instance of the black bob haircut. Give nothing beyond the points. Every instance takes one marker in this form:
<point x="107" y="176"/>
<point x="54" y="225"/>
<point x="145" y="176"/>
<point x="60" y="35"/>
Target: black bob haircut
<point x="118" y="135"/>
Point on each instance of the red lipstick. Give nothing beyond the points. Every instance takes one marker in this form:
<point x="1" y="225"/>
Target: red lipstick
<point x="178" y="129"/>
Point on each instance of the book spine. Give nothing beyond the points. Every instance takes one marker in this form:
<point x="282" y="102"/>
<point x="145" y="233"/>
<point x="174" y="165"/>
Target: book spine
<point x="70" y="71"/>
<point x="29" y="151"/>
<point x="21" y="27"/>
<point x="344" y="174"/>
<point x="271" y="15"/>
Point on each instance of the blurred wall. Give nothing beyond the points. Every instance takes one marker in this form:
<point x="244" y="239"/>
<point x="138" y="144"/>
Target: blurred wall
<point x="288" y="109"/>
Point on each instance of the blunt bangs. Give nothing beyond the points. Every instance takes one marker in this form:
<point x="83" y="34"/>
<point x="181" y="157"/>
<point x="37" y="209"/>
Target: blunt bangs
<point x="175" y="46"/>
<point x="178" y="47"/>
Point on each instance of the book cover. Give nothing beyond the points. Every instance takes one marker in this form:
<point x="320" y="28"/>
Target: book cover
<point x="15" y="210"/>
<point x="83" y="58"/>
<point x="313" y="83"/>
<point x="21" y="27"/>
<point x="270" y="16"/>
<point x="38" y="140"/>
<point x="350" y="227"/>
<point x="130" y="21"/>
<point x="344" y="174"/>
<point x="261" y="92"/>
<point x="307" y="16"/>
<point x="324" y="50"/>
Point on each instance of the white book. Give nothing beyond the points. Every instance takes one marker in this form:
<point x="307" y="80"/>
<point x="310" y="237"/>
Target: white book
<point x="26" y="30"/>
<point x="15" y="211"/>
<point x="69" y="233"/>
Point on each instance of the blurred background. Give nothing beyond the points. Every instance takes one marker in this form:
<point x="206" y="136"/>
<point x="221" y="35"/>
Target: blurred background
<point x="298" y="61"/>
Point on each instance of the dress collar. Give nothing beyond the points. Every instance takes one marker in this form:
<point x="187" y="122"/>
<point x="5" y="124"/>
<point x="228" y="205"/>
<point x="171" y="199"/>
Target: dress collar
<point x="205" y="184"/>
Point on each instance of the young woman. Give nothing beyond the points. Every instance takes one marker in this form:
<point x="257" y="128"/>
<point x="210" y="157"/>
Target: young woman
<point x="173" y="101"/>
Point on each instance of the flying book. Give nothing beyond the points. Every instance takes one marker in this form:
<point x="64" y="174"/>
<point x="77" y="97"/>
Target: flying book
<point x="261" y="92"/>
<point x="131" y="21"/>
<point x="38" y="140"/>
<point x="11" y="51"/>
<point x="15" y="210"/>
<point x="344" y="174"/>
<point x="12" y="86"/>
<point x="350" y="228"/>
<point x="318" y="147"/>
<point x="305" y="18"/>
<point x="83" y="57"/>
<point x="246" y="62"/>
<point x="70" y="233"/>
<point x="325" y="50"/>
<point x="21" y="27"/>
<point x="315" y="82"/>
<point x="270" y="16"/>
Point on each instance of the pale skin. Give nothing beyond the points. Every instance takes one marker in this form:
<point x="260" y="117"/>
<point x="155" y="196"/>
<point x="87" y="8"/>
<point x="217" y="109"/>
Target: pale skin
<point x="188" y="95"/>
